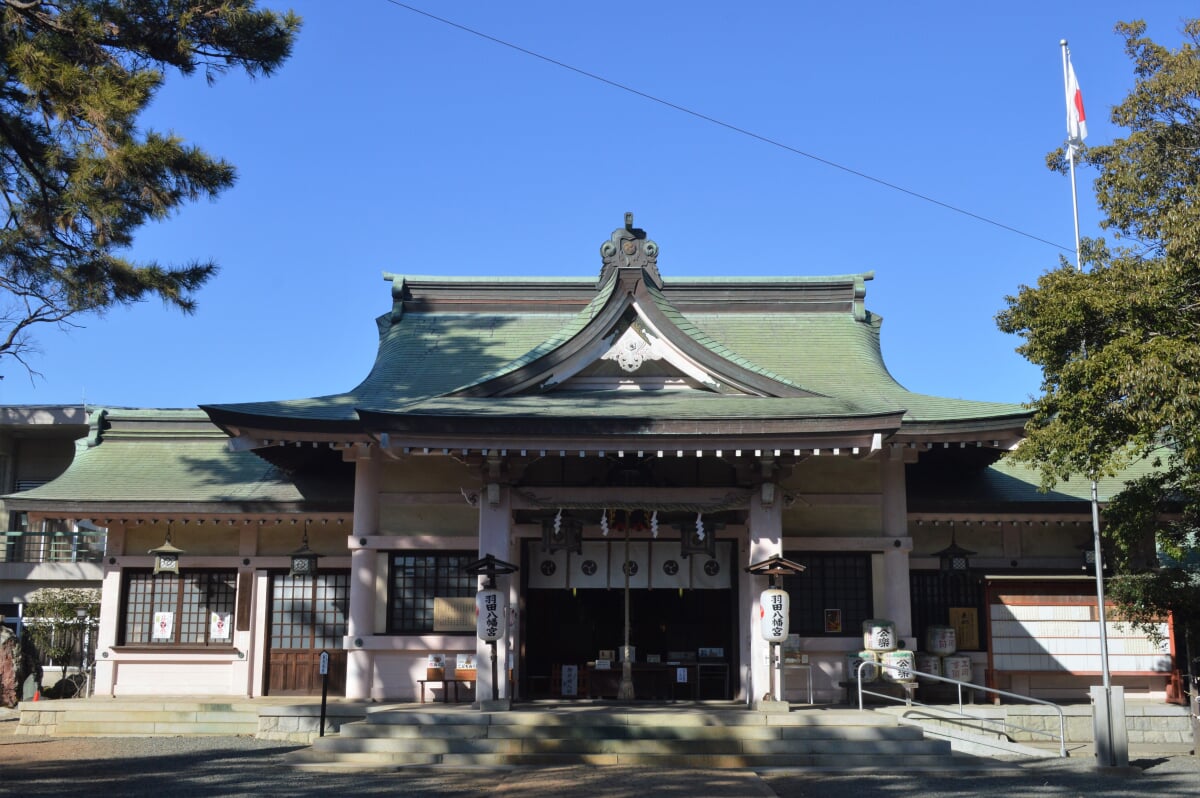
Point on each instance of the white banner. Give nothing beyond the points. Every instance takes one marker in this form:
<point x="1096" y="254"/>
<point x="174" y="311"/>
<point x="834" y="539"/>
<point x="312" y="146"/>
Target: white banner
<point x="589" y="569"/>
<point x="667" y="568"/>
<point x="546" y="570"/>
<point x="639" y="555"/>
<point x="712" y="574"/>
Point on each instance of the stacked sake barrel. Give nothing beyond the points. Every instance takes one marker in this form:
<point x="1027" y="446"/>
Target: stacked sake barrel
<point x="940" y="657"/>
<point x="881" y="645"/>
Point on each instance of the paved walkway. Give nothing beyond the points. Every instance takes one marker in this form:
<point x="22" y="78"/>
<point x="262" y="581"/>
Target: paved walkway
<point x="220" y="766"/>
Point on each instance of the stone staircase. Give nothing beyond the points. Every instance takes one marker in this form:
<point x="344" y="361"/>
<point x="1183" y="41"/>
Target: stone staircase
<point x="140" y="717"/>
<point x="834" y="739"/>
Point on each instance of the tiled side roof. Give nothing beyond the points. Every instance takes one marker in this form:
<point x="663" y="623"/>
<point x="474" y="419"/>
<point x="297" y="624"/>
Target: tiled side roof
<point x="1009" y="484"/>
<point x="563" y="334"/>
<point x="832" y="354"/>
<point x="162" y="456"/>
<point x="685" y="325"/>
<point x="1016" y="482"/>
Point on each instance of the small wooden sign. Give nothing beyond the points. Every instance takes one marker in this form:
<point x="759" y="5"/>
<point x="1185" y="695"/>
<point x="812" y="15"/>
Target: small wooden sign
<point x="965" y="621"/>
<point x="833" y="622"/>
<point x="454" y="614"/>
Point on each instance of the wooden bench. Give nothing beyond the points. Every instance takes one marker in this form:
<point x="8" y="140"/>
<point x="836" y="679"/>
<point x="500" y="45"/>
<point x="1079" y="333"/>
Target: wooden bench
<point x="437" y="676"/>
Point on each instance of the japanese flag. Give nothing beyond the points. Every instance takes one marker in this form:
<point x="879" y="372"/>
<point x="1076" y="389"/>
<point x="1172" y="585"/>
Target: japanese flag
<point x="1076" y="118"/>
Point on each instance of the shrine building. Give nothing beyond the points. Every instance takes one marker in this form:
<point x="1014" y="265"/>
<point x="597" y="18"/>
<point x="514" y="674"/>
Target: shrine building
<point x="637" y="434"/>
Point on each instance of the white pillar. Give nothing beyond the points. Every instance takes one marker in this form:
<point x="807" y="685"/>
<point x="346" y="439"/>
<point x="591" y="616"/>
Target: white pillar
<point x="253" y="647"/>
<point x="110" y="612"/>
<point x="361" y="622"/>
<point x="766" y="540"/>
<point x="494" y="521"/>
<point x="897" y="598"/>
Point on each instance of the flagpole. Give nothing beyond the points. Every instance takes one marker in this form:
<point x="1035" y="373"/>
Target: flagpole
<point x="1113" y="750"/>
<point x="1071" y="154"/>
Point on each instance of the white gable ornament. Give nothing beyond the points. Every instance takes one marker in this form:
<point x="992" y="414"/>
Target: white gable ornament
<point x="632" y="350"/>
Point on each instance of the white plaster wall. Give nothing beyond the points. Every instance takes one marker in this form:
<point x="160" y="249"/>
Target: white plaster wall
<point x="397" y="672"/>
<point x="179" y="676"/>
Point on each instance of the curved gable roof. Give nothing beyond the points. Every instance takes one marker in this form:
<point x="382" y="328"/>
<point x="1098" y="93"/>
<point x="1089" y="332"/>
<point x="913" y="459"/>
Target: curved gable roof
<point x="448" y="340"/>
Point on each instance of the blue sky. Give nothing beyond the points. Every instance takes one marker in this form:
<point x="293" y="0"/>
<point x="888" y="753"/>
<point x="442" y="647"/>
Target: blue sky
<point x="393" y="142"/>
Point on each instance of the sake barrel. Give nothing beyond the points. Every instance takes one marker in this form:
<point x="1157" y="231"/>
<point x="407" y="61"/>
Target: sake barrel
<point x="902" y="664"/>
<point x="957" y="666"/>
<point x="879" y="635"/>
<point x="928" y="663"/>
<point x="941" y="640"/>
<point x="869" y="673"/>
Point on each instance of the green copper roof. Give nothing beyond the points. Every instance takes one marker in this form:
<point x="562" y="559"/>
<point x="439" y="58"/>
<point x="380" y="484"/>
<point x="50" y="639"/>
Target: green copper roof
<point x="809" y="334"/>
<point x="160" y="457"/>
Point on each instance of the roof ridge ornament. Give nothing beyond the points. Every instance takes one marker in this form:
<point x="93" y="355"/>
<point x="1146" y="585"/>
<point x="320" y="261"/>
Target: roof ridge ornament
<point x="628" y="248"/>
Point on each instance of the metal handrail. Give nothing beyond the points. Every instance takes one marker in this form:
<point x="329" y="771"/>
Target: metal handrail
<point x="984" y="721"/>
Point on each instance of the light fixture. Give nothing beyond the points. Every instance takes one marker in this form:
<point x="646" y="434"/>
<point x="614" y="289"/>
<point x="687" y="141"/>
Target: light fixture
<point x="304" y="559"/>
<point x="698" y="538"/>
<point x="954" y="558"/>
<point x="166" y="556"/>
<point x="562" y="533"/>
<point x="1088" y="550"/>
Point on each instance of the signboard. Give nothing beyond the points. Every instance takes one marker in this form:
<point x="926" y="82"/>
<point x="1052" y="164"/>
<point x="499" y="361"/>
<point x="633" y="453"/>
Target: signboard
<point x="965" y="621"/>
<point x="570" y="680"/>
<point x="491" y="607"/>
<point x="219" y="626"/>
<point x="324" y="669"/>
<point x="164" y="626"/>
<point x="833" y="621"/>
<point x="453" y="613"/>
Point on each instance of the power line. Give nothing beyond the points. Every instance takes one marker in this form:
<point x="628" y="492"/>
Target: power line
<point x="727" y="125"/>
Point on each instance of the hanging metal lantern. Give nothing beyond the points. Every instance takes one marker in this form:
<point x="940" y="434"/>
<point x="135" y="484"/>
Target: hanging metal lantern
<point x="562" y="533"/>
<point x="304" y="559"/>
<point x="166" y="556"/>
<point x="698" y="537"/>
<point x="954" y="558"/>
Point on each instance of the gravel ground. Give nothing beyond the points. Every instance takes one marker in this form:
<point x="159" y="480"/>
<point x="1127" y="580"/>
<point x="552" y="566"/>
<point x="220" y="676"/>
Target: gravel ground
<point x="212" y="766"/>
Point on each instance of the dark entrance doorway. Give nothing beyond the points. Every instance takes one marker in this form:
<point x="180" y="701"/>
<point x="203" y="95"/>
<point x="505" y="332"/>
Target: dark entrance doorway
<point x="684" y="640"/>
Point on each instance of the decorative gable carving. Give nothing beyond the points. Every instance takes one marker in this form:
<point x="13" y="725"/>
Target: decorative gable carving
<point x="631" y="349"/>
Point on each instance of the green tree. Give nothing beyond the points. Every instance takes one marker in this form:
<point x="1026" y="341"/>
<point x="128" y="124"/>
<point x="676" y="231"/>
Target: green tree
<point x="57" y="618"/>
<point x="1119" y="342"/>
<point x="77" y="175"/>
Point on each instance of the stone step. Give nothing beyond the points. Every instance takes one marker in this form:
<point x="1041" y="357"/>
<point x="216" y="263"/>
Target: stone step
<point x="137" y="718"/>
<point x="361" y="729"/>
<point x="732" y="745"/>
<point x="373" y="760"/>
<point x="677" y="760"/>
<point x="831" y="740"/>
<point x="603" y="717"/>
